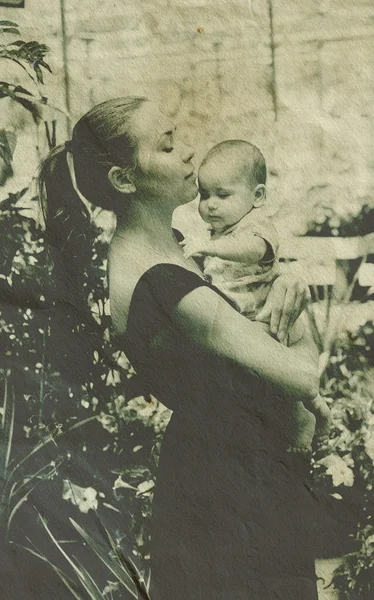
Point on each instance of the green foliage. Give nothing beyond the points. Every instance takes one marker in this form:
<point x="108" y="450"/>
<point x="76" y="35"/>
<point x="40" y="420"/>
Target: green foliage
<point x="30" y="57"/>
<point x="133" y="424"/>
<point x="346" y="462"/>
<point x="342" y="221"/>
<point x="35" y="395"/>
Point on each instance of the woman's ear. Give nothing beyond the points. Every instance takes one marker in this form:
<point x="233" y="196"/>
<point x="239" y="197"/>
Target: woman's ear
<point x="120" y="179"/>
<point x="260" y="195"/>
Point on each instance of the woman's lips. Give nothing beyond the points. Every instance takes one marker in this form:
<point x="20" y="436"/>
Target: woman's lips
<point x="190" y="175"/>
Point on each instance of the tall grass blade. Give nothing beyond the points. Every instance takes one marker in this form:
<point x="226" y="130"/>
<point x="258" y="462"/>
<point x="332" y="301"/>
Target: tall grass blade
<point x="130" y="566"/>
<point x="15" y="509"/>
<point x="7" y="426"/>
<point x="67" y="581"/>
<point x="50" y="439"/>
<point x="87" y="582"/>
<point x="122" y="574"/>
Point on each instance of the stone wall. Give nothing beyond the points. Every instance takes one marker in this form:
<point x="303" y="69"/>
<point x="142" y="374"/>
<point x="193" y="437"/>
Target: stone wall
<point x="294" y="76"/>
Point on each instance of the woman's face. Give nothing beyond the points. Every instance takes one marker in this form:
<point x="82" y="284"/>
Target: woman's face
<point x="164" y="169"/>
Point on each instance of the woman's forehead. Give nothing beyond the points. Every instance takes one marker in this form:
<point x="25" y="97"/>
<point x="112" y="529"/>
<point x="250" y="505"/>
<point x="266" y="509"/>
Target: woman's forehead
<point x="150" y="124"/>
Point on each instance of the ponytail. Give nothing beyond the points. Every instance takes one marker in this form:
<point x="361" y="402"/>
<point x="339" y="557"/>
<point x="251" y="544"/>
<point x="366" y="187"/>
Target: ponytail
<point x="74" y="333"/>
<point x="73" y="174"/>
<point x="67" y="224"/>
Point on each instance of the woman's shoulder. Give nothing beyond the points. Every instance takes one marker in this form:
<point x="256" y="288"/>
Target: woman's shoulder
<point x="156" y="287"/>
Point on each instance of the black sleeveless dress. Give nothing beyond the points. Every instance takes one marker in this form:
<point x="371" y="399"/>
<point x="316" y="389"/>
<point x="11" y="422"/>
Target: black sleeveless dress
<point x="230" y="510"/>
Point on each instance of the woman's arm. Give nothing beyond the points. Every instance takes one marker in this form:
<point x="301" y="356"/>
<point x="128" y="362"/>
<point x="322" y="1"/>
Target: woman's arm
<point x="214" y="325"/>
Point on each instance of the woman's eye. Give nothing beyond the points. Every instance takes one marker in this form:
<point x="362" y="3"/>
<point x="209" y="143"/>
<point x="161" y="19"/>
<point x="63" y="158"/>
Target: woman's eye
<point x="168" y="149"/>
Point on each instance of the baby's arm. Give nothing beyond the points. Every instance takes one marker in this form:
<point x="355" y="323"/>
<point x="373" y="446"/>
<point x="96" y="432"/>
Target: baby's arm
<point x="244" y="247"/>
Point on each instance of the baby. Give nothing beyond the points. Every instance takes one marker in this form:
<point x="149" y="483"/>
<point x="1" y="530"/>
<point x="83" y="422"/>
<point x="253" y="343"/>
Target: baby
<point x="241" y="254"/>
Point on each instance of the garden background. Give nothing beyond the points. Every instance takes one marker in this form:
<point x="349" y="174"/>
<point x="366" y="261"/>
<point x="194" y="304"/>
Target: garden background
<point x="296" y="78"/>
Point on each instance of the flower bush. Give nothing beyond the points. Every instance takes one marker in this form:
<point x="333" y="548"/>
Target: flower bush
<point x="132" y="427"/>
<point x="341" y="215"/>
<point x="347" y="461"/>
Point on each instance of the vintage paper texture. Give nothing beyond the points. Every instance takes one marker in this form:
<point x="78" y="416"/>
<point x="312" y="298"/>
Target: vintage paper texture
<point x="294" y="78"/>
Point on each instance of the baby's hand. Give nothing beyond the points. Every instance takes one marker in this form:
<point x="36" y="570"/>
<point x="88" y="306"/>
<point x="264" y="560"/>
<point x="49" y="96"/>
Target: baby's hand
<point x="193" y="248"/>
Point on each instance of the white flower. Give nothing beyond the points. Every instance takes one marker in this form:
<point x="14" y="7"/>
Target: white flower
<point x="111" y="587"/>
<point x="84" y="498"/>
<point x="108" y="422"/>
<point x="369" y="447"/>
<point x="144" y="488"/>
<point x="119" y="483"/>
<point x="144" y="408"/>
<point x="340" y="472"/>
<point x="122" y="360"/>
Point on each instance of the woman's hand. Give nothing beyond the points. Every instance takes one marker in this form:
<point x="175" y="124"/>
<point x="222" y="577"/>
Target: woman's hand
<point x="287" y="299"/>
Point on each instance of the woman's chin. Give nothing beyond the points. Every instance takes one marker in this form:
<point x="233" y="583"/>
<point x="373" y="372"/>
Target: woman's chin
<point x="189" y="195"/>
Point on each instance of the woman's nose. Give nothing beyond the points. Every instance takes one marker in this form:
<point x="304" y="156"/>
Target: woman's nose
<point x="187" y="153"/>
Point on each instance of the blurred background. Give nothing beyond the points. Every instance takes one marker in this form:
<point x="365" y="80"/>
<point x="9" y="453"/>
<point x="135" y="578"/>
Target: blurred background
<point x="294" y="77"/>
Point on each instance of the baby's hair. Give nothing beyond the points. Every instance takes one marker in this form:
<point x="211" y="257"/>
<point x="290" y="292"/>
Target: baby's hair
<point x="245" y="155"/>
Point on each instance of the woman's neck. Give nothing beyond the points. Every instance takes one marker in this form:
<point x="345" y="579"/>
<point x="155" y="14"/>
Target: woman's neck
<point x="150" y="224"/>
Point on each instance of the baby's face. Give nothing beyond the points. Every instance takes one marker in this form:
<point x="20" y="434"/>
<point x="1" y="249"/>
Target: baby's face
<point x="225" y="194"/>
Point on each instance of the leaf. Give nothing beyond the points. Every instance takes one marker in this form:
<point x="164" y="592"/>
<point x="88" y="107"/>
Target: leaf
<point x="11" y="30"/>
<point x="50" y="439"/>
<point x="84" y="577"/>
<point x="16" y="43"/>
<point x="45" y="65"/>
<point x="18" y="506"/>
<point x="89" y="583"/>
<point x="8" y="24"/>
<point x="39" y="72"/>
<point x="16" y="93"/>
<point x="122" y="575"/>
<point x="128" y="564"/>
<point x="67" y="581"/>
<point x="7" y="427"/>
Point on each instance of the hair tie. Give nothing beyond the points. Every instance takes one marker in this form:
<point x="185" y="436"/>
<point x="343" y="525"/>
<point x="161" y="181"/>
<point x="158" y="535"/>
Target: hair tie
<point x="69" y="146"/>
<point x="70" y="163"/>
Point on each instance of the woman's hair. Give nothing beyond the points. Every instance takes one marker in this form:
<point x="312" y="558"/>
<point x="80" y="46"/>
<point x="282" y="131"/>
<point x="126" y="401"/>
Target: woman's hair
<point x="101" y="139"/>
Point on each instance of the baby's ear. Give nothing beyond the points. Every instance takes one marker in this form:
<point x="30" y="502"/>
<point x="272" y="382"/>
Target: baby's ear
<point x="259" y="195"/>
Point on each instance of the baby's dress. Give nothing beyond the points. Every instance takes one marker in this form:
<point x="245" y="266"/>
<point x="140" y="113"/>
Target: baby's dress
<point x="247" y="285"/>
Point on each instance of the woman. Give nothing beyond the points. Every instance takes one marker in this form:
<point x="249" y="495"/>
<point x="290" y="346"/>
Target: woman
<point x="230" y="503"/>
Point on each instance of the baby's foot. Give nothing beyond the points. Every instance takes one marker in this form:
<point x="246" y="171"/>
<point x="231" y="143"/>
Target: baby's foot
<point x="304" y="428"/>
<point x="322" y="413"/>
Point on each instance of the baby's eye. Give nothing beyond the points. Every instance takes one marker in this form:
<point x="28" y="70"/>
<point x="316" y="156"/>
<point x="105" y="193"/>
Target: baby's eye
<point x="204" y="195"/>
<point x="223" y="194"/>
<point x="168" y="149"/>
